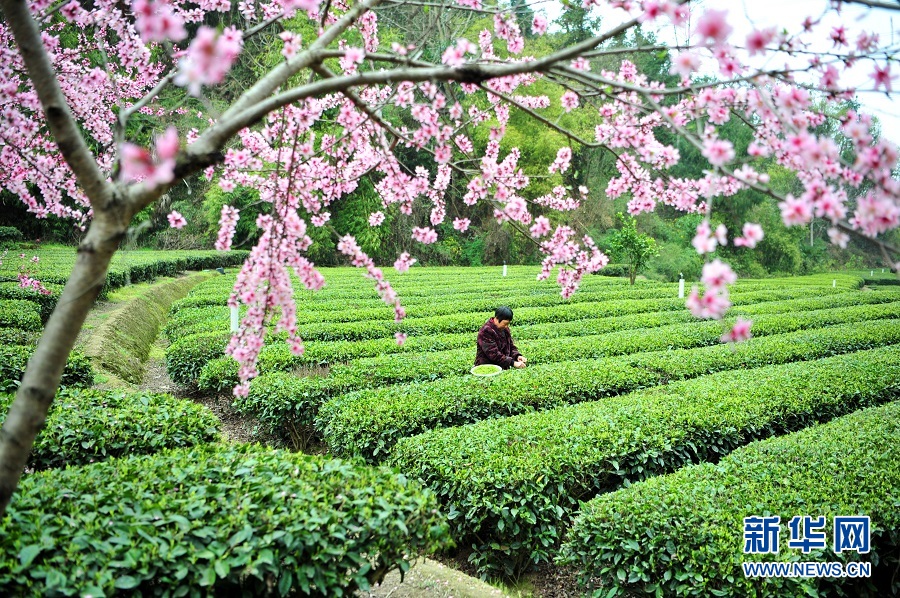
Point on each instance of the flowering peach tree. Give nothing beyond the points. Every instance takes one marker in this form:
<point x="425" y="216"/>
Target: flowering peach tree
<point x="339" y="105"/>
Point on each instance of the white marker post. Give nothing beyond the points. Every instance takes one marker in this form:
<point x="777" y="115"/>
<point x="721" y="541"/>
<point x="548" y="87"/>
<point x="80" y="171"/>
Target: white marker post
<point x="504" y="269"/>
<point x="871" y="272"/>
<point x="834" y="283"/>
<point x="681" y="287"/>
<point x="234" y="319"/>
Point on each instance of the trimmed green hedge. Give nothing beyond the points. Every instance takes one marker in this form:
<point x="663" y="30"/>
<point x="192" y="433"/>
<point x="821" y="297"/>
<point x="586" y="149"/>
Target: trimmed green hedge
<point x="84" y="426"/>
<point x="511" y="484"/>
<point x="214" y="520"/>
<point x="681" y="534"/>
<point x="24" y="315"/>
<point x="375" y="372"/>
<point x="46" y="303"/>
<point x="369" y="422"/>
<point x="220" y="374"/>
<point x="186" y="357"/>
<point x="78" y="372"/>
<point x="190" y="360"/>
<point x="56" y="262"/>
<point x="212" y="319"/>
<point x="14" y="336"/>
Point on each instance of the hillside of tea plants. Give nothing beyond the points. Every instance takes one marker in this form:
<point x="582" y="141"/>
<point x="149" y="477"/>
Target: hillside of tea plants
<point x="628" y="451"/>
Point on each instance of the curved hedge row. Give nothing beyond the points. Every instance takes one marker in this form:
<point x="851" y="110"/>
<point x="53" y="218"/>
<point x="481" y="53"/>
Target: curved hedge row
<point x="220" y="374"/>
<point x="84" y="426"/>
<point x="383" y="371"/>
<point x="680" y="534"/>
<point x="210" y="319"/>
<point x="186" y="358"/>
<point x="24" y="315"/>
<point x="443" y="304"/>
<point x="369" y="422"/>
<point x="13" y="359"/>
<point x="511" y="484"/>
<point x="218" y="519"/>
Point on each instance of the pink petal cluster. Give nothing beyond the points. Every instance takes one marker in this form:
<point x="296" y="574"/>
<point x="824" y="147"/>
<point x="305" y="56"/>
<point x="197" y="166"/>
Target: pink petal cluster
<point x="138" y="165"/>
<point x="228" y="219"/>
<point x="569" y="101"/>
<point x="563" y="160"/>
<point x="376" y="218"/>
<point x="404" y="262"/>
<point x="706" y="240"/>
<point x="739" y="332"/>
<point x="156" y="21"/>
<point x="209" y="58"/>
<point x="176" y="220"/>
<point x="426" y="235"/>
<point x="461" y="224"/>
<point x="752" y="234"/>
<point x="456" y="55"/>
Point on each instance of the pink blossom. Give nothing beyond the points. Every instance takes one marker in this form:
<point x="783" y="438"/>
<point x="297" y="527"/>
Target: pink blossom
<point x="176" y="220"/>
<point x="717" y="274"/>
<point x="712" y="28"/>
<point x="461" y="224"/>
<point x="563" y="159"/>
<point x="759" y="39"/>
<point x="401" y="338"/>
<point x="228" y="220"/>
<point x="795" y="211"/>
<point x="157" y="22"/>
<point x="569" y="101"/>
<point x="739" y="332"/>
<point x="424" y="235"/>
<point x="539" y="25"/>
<point x="540" y="227"/>
<point x="355" y="55"/>
<point x="456" y="55"/>
<point x="838" y="237"/>
<point x="685" y="64"/>
<point x="704" y="241"/>
<point x="718" y="151"/>
<point x="752" y="234"/>
<point x="376" y="218"/>
<point x="883" y="78"/>
<point x="404" y="262"/>
<point x="712" y="304"/>
<point x="208" y="58"/>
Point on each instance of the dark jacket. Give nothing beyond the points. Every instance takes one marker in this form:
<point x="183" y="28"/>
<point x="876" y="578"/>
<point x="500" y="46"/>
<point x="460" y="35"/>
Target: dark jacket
<point x="495" y="346"/>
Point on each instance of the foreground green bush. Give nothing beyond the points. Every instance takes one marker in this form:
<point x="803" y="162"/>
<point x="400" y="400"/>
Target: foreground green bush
<point x="46" y="303"/>
<point x="13" y="359"/>
<point x="511" y="484"/>
<point x="217" y="519"/>
<point x="24" y="315"/>
<point x="682" y="534"/>
<point x="369" y="422"/>
<point x="84" y="426"/>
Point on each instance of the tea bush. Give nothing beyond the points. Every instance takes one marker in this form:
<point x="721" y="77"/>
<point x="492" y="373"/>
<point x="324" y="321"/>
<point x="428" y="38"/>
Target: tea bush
<point x="680" y="534"/>
<point x="84" y="426"/>
<point x="510" y="485"/>
<point x="217" y="520"/>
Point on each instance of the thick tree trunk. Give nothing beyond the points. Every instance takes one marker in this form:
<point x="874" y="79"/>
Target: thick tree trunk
<point x="28" y="413"/>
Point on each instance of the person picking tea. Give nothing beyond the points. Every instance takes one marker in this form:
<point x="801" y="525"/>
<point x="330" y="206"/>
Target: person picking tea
<point x="495" y="344"/>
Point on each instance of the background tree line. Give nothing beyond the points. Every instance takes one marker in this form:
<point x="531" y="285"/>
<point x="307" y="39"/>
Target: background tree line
<point x="487" y="242"/>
